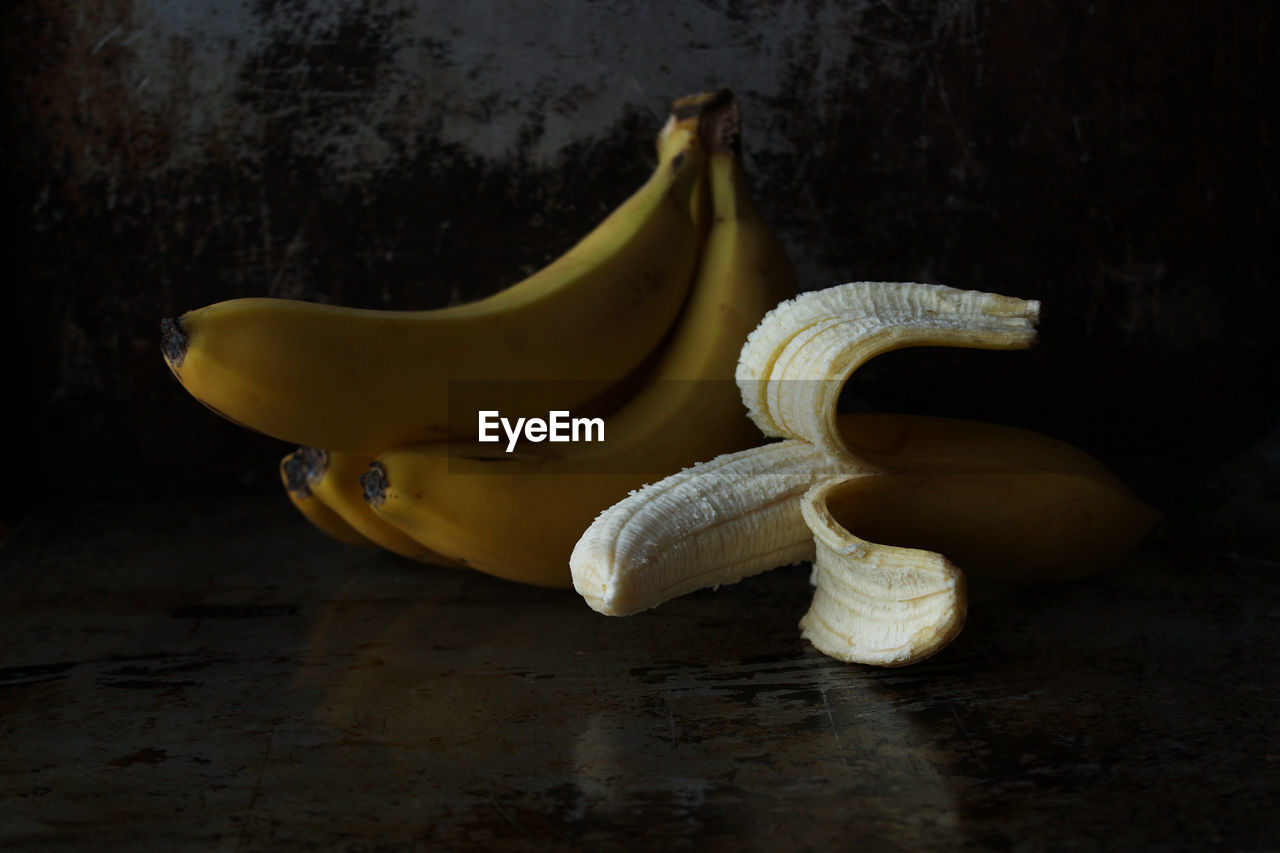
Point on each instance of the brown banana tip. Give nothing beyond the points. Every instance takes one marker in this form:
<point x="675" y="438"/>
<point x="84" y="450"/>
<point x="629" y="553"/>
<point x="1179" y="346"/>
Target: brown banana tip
<point x="692" y="106"/>
<point x="317" y="462"/>
<point x="721" y="127"/>
<point x="374" y="482"/>
<point x="173" y="340"/>
<point x="302" y="468"/>
<point x="293" y="468"/>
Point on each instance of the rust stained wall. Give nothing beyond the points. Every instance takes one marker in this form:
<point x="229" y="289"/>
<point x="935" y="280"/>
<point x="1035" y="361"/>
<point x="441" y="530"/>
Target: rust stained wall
<point x="1114" y="160"/>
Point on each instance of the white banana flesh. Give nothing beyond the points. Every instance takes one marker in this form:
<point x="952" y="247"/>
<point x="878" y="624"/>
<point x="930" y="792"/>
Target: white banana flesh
<point x="709" y="525"/>
<point x="876" y="604"/>
<point x="744" y="513"/>
<point x="796" y="361"/>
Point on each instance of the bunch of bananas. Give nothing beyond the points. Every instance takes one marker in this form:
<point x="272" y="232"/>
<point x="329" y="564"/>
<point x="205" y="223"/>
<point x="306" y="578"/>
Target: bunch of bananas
<point x="676" y="322"/>
<point x="641" y="322"/>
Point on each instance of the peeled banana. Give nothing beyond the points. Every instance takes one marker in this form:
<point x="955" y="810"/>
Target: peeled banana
<point x="364" y="381"/>
<point x="518" y="515"/>
<point x="875" y="501"/>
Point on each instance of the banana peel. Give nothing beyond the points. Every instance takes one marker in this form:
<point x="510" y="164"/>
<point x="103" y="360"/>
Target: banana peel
<point x="888" y="507"/>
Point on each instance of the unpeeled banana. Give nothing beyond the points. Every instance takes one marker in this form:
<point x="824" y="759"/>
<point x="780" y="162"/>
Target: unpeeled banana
<point x="518" y="515"/>
<point x="865" y="497"/>
<point x="364" y="381"/>
<point x="326" y="488"/>
<point x="298" y="471"/>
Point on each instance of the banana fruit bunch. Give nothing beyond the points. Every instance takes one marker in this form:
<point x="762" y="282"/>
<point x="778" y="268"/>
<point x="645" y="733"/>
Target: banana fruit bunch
<point x="881" y="504"/>
<point x="640" y="322"/>
<point x="665" y="320"/>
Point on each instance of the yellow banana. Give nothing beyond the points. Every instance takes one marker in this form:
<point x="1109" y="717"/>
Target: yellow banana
<point x="297" y="471"/>
<point x="1012" y="524"/>
<point x="882" y="503"/>
<point x="326" y="487"/>
<point x="362" y="381"/>
<point x="518" y="515"/>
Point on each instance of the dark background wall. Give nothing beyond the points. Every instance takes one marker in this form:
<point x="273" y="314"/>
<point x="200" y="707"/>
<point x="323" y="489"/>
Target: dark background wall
<point x="1115" y="160"/>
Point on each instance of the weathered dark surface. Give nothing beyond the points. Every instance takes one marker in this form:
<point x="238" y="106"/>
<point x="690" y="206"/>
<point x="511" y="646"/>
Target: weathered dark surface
<point x="217" y="675"/>
<point x="1114" y="160"/>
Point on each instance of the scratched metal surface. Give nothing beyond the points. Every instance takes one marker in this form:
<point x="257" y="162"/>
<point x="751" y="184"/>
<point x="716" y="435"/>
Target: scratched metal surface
<point x="214" y="674"/>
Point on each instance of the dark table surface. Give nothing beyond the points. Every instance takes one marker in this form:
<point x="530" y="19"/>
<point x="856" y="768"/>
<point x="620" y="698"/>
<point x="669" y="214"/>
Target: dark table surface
<point x="215" y="674"/>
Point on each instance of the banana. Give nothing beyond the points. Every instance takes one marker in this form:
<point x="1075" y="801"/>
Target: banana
<point x="709" y="525"/>
<point x="973" y="488"/>
<point x="297" y="471"/>
<point x="794" y="364"/>
<point x="362" y="381"/>
<point x="1009" y="524"/>
<point x="891" y="607"/>
<point x="518" y="515"/>
<point x="326" y="487"/>
<point x="1000" y="501"/>
<point x="910" y="444"/>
